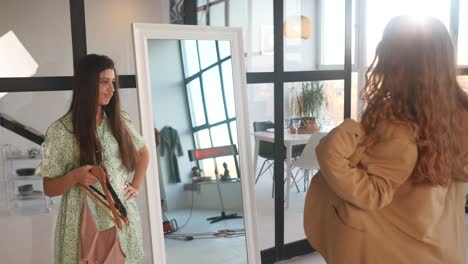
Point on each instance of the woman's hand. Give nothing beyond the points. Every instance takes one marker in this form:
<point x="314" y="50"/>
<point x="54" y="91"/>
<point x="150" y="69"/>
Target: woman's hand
<point x="83" y="175"/>
<point x="130" y="191"/>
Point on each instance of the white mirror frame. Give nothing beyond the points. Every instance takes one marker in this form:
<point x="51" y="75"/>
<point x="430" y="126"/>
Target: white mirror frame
<point x="142" y="32"/>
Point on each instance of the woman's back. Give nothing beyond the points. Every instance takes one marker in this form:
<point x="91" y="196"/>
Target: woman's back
<point x="389" y="218"/>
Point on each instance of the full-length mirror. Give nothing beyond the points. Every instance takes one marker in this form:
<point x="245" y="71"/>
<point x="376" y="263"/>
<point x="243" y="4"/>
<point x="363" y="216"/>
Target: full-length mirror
<point x="191" y="93"/>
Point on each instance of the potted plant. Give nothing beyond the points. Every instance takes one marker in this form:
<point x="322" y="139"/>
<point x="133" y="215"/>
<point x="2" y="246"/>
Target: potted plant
<point x="308" y="102"/>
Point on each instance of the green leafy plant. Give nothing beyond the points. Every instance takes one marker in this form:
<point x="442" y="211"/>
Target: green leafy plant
<point x="309" y="101"/>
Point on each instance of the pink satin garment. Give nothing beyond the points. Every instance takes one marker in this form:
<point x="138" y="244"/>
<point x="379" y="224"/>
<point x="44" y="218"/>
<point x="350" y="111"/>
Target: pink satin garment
<point x="98" y="247"/>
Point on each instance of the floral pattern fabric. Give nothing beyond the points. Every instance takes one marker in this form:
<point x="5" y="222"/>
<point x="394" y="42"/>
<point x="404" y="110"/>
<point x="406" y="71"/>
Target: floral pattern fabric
<point x="61" y="155"/>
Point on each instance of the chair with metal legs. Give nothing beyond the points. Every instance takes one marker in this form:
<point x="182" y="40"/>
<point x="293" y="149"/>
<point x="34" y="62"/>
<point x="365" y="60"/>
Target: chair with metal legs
<point x="266" y="151"/>
<point x="307" y="161"/>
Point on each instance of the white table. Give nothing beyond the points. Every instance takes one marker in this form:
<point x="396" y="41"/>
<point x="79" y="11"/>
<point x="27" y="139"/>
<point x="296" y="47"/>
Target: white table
<point x="290" y="140"/>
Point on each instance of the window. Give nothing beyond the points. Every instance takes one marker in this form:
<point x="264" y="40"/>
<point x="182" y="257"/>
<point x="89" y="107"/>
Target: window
<point x="207" y="51"/>
<point x="196" y="103"/>
<point x="228" y="88"/>
<point x="463" y="34"/>
<point x="213" y="95"/>
<point x="332" y="34"/>
<point x="190" y="57"/>
<point x="211" y="12"/>
<point x="380" y="13"/>
<point x="209" y="84"/>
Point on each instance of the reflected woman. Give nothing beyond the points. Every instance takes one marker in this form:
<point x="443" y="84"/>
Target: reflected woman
<point x="94" y="131"/>
<point x="391" y="188"/>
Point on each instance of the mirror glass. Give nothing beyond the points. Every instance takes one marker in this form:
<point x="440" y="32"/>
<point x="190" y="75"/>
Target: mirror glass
<point x="193" y="106"/>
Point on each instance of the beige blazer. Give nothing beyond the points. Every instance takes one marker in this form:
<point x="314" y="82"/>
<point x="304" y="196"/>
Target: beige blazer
<point x="362" y="208"/>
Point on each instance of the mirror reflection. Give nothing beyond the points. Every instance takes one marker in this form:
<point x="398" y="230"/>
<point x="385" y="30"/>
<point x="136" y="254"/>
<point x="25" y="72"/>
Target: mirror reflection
<point x="197" y="148"/>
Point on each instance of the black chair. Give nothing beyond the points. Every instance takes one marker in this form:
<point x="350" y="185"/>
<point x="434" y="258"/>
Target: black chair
<point x="214" y="152"/>
<point x="297" y="149"/>
<point x="266" y="151"/>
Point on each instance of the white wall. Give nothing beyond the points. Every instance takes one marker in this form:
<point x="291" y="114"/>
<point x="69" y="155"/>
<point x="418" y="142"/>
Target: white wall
<point x="108" y="26"/>
<point x="208" y="198"/>
<point x="44" y="29"/>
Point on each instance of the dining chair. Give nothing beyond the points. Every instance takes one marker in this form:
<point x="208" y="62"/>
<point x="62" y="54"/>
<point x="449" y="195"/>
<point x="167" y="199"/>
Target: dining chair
<point x="266" y="151"/>
<point x="307" y="161"/>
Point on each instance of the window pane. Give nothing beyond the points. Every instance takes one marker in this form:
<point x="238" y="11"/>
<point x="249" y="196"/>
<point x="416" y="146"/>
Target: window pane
<point x="356" y="102"/>
<point x="260" y="57"/>
<point x="202" y="139"/>
<point x="261" y="106"/>
<point x="224" y="49"/>
<point x="220" y="135"/>
<point x="238" y="17"/>
<point x="201" y="18"/>
<point x="228" y="90"/>
<point x="201" y="15"/>
<point x="201" y="2"/>
<point x="463" y="81"/>
<point x="217" y="15"/>
<point x="208" y="167"/>
<point x="333" y="31"/>
<point x="233" y="127"/>
<point x="463" y="34"/>
<point x="379" y="14"/>
<point x="231" y="166"/>
<point x="323" y="100"/>
<point x="261" y="103"/>
<point x="213" y="96"/>
<point x="300" y="36"/>
<point x="43" y="29"/>
<point x="196" y="103"/>
<point x="329" y="113"/>
<point x="190" y="56"/>
<point x="207" y="50"/>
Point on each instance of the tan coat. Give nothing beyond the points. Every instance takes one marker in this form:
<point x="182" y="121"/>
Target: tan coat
<point x="362" y="208"/>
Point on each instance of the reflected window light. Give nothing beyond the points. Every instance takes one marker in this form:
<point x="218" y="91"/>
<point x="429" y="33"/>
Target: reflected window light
<point x="380" y="12"/>
<point x="15" y="60"/>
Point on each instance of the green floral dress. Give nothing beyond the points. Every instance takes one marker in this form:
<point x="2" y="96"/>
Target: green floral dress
<point x="61" y="155"/>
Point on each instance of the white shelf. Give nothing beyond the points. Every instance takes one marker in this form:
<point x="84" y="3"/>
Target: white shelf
<point x="27" y="178"/>
<point x="22" y="158"/>
<point x="34" y="203"/>
<point x="32" y="197"/>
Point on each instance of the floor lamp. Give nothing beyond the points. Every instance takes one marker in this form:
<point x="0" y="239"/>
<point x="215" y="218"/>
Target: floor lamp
<point x="199" y="154"/>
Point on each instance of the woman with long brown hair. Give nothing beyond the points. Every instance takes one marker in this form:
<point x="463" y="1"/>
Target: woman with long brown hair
<point x="391" y="188"/>
<point x="93" y="132"/>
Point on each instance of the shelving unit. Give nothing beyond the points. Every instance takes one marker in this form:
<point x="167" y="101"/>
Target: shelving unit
<point x="14" y="202"/>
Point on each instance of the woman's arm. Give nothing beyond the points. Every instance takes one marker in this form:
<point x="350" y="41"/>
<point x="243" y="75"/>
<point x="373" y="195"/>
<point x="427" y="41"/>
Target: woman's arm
<point x="60" y="185"/>
<point x="140" y="172"/>
<point x="392" y="162"/>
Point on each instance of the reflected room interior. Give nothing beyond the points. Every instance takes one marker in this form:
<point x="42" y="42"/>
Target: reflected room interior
<point x="197" y="150"/>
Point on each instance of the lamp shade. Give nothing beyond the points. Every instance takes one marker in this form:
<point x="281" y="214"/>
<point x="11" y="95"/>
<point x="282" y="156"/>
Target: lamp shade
<point x="297" y="27"/>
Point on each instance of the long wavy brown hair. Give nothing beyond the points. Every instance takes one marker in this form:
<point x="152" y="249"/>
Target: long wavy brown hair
<point x="412" y="82"/>
<point x="84" y="107"/>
